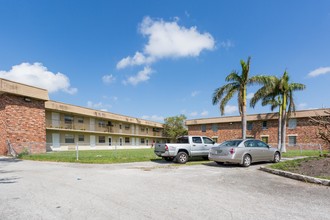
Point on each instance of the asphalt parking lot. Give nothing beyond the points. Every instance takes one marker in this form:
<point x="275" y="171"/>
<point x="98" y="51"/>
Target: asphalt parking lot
<point x="150" y="190"/>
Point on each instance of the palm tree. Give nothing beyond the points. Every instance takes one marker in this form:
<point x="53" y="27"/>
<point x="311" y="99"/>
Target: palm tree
<point x="237" y="84"/>
<point x="278" y="92"/>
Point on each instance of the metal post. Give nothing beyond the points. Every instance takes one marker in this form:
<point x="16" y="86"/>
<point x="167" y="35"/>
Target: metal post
<point x="320" y="146"/>
<point x="77" y="152"/>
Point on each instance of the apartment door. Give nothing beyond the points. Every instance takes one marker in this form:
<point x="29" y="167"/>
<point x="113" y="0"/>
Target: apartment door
<point x="120" y="141"/>
<point x="55" y="119"/>
<point x="110" y="141"/>
<point x="56" y="140"/>
<point x="92" y="140"/>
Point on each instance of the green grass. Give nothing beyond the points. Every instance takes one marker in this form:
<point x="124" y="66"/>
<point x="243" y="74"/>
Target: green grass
<point x="290" y="165"/>
<point x="297" y="153"/>
<point x="96" y="156"/>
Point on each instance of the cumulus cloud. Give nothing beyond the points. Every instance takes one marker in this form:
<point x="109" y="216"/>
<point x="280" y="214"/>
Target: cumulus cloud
<point x="99" y="105"/>
<point x="227" y="44"/>
<point x="142" y="76"/>
<point x="319" y="71"/>
<point x="167" y="40"/>
<point x="230" y="109"/>
<point x="108" y="79"/>
<point x="38" y="75"/>
<point x="193" y="114"/>
<point x="195" y="93"/>
<point x="153" y="118"/>
<point x="205" y="113"/>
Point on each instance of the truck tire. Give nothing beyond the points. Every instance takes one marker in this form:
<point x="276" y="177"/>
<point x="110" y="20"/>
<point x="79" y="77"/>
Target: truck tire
<point x="182" y="157"/>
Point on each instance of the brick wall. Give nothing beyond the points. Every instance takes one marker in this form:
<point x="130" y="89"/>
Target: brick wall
<point x="22" y="123"/>
<point x="305" y="132"/>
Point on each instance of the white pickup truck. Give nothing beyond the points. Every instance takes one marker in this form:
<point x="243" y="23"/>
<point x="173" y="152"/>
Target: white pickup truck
<point x="186" y="146"/>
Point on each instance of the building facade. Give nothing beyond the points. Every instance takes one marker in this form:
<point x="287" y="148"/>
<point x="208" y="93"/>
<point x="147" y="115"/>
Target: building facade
<point x="30" y="121"/>
<point x="300" y="133"/>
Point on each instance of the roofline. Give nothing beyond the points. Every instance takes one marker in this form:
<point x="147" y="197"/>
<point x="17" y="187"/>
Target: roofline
<point x="78" y="110"/>
<point x="20" y="89"/>
<point x="257" y="117"/>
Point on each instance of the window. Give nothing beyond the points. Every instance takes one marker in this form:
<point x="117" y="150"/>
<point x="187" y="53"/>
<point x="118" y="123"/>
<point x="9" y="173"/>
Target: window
<point x="264" y="125"/>
<point x="127" y="127"/>
<point x="80" y="120"/>
<point x="142" y="141"/>
<point x="215" y="127"/>
<point x="203" y="128"/>
<point x="81" y="138"/>
<point x="196" y="140"/>
<point x="292" y="140"/>
<point x="207" y="140"/>
<point x="69" y="138"/>
<point x="183" y="140"/>
<point x="68" y="119"/>
<point x="142" y="129"/>
<point x="101" y="139"/>
<point x="265" y="139"/>
<point x="249" y="126"/>
<point x="126" y="140"/>
<point x="292" y="123"/>
<point x="250" y="143"/>
<point x="102" y="124"/>
<point x="120" y="127"/>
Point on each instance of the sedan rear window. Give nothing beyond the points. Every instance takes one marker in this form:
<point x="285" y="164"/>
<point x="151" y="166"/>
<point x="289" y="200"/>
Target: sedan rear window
<point x="233" y="143"/>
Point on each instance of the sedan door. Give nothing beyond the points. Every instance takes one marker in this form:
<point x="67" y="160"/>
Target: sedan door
<point x="265" y="152"/>
<point x="252" y="149"/>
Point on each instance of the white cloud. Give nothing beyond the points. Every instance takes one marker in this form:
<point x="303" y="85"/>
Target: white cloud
<point x="249" y="96"/>
<point x="108" y="79"/>
<point x="100" y="106"/>
<point x="138" y="59"/>
<point x="195" y="93"/>
<point x="38" y="75"/>
<point x="302" y="106"/>
<point x="205" y="113"/>
<point x="153" y="118"/>
<point x="193" y="114"/>
<point x="227" y="44"/>
<point x="142" y="76"/>
<point x="229" y="109"/>
<point x="319" y="71"/>
<point x="168" y="40"/>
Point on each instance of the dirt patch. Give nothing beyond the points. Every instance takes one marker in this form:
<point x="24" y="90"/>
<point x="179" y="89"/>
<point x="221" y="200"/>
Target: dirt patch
<point x="318" y="167"/>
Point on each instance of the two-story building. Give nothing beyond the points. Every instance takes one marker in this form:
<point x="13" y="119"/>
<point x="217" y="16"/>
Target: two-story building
<point x="300" y="133"/>
<point x="29" y="120"/>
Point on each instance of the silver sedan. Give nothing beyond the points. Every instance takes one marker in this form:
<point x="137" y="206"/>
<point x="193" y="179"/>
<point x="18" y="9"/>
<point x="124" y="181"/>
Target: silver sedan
<point x="244" y="152"/>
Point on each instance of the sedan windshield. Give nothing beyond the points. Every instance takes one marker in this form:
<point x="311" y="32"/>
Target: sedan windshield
<point x="233" y="143"/>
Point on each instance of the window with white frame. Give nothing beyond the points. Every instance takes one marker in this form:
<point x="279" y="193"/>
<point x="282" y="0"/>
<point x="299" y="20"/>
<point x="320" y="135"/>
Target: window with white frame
<point x="81" y="138"/>
<point x="292" y="123"/>
<point x="249" y="126"/>
<point x="203" y="127"/>
<point x="292" y="140"/>
<point x="69" y="138"/>
<point x="101" y="139"/>
<point x="264" y="125"/>
<point x="68" y="119"/>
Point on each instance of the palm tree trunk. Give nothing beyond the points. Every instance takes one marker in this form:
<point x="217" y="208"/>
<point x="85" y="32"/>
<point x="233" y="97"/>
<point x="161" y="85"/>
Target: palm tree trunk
<point x="284" y="115"/>
<point x="279" y="142"/>
<point x="244" y="122"/>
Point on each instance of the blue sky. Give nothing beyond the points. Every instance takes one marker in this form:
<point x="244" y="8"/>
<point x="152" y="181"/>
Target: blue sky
<point x="155" y="59"/>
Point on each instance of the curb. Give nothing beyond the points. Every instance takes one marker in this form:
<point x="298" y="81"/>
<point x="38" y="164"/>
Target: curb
<point x="296" y="176"/>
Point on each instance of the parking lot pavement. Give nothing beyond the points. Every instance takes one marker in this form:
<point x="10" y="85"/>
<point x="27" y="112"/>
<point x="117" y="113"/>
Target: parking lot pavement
<point x="45" y="190"/>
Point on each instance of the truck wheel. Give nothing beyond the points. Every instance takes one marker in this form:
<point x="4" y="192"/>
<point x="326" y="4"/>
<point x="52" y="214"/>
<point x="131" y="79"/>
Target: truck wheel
<point x="182" y="157"/>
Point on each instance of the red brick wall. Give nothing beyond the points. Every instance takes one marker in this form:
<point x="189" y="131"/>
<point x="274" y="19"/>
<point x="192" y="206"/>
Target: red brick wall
<point x="304" y="132"/>
<point x="22" y="123"/>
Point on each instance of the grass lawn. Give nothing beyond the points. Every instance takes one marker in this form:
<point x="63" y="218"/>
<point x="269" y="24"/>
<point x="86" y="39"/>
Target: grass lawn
<point x="96" y="156"/>
<point x="298" y="153"/>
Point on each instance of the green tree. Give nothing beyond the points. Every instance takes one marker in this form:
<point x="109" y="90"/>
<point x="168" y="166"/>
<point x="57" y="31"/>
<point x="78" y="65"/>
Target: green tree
<point x="174" y="127"/>
<point x="237" y="84"/>
<point x="278" y="92"/>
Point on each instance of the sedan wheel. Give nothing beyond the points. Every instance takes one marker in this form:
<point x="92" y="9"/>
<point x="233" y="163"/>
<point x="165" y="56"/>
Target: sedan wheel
<point x="246" y="160"/>
<point x="277" y="157"/>
<point x="182" y="157"/>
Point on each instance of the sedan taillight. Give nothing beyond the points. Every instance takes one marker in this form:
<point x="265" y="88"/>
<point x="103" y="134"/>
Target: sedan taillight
<point x="232" y="151"/>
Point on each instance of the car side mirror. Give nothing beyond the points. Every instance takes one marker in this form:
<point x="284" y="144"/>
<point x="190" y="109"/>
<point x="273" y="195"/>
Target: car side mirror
<point x="213" y="142"/>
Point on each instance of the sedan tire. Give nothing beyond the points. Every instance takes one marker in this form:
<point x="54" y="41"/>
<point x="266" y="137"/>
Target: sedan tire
<point x="277" y="157"/>
<point x="246" y="160"/>
<point x="182" y="157"/>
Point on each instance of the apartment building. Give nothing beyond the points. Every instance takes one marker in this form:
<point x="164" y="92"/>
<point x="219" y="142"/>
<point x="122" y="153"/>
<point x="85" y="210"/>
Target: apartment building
<point x="29" y="120"/>
<point x="69" y="125"/>
<point x="262" y="126"/>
